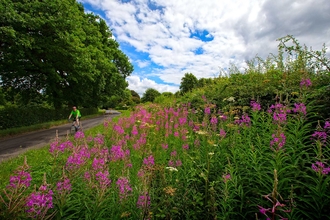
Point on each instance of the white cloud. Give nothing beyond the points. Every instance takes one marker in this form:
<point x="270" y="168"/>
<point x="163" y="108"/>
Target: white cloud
<point x="240" y="30"/>
<point x="142" y="64"/>
<point x="140" y="85"/>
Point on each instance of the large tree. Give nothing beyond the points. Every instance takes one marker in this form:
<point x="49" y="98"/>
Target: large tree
<point x="188" y="82"/>
<point x="149" y="95"/>
<point x="53" y="47"/>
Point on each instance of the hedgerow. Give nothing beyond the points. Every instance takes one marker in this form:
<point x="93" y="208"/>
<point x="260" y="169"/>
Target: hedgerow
<point x="12" y="116"/>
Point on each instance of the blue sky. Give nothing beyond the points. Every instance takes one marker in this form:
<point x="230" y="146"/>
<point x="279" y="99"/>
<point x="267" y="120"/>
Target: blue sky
<point x="164" y="39"/>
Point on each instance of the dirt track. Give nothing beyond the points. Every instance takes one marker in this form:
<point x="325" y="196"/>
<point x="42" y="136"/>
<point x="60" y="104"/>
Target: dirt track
<point x="10" y="147"/>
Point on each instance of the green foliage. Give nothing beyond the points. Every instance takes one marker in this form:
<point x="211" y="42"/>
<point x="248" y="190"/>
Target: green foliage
<point x="150" y="95"/>
<point x="12" y="117"/>
<point x="135" y="97"/>
<point x="167" y="94"/>
<point x="188" y="83"/>
<point x="204" y="82"/>
<point x="55" y="50"/>
<point x="166" y="99"/>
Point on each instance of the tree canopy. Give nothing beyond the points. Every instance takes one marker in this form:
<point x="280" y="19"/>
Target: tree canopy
<point x="150" y="95"/>
<point x="135" y="97"/>
<point x="54" y="49"/>
<point x="188" y="83"/>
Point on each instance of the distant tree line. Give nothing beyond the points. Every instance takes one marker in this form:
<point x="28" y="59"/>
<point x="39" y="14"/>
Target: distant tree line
<point x="189" y="82"/>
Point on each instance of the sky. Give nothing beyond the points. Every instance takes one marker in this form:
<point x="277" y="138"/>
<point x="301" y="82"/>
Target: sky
<point x="164" y="39"/>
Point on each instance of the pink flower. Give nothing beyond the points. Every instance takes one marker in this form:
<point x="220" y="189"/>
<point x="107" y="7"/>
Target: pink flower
<point x="173" y="153"/>
<point x="117" y="153"/>
<point x="320" y="135"/>
<point x="255" y="106"/>
<point x="178" y="163"/>
<point x="182" y="121"/>
<point x="299" y="108"/>
<point x="326" y="125"/>
<point x="320" y="167"/>
<point x="103" y="179"/>
<point x="55" y="146"/>
<point x="143" y="201"/>
<point x="185" y="146"/>
<point x="39" y="202"/>
<point x="124" y="187"/>
<point x="87" y="175"/>
<point x="149" y="161"/>
<point x="64" y="186"/>
<point x="214" y="121"/>
<point x="222" y="133"/>
<point x="77" y="159"/>
<point x="99" y="139"/>
<point x="305" y="83"/>
<point x="170" y="163"/>
<point x="140" y="173"/>
<point x="263" y="211"/>
<point x="207" y="110"/>
<point x="223" y="117"/>
<point x="134" y="130"/>
<point x="118" y="129"/>
<point x="165" y="146"/>
<point x="98" y="164"/>
<point x="23" y="178"/>
<point x="79" y="135"/>
<point x="246" y="120"/>
<point x="280" y="117"/>
<point x="226" y="177"/>
<point x="278" y="140"/>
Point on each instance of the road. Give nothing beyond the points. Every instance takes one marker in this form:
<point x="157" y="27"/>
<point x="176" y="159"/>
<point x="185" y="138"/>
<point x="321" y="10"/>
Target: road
<point x="13" y="146"/>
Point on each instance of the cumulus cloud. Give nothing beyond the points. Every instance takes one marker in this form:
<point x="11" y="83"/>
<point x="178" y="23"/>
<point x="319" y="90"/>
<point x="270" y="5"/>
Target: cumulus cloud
<point x="140" y="85"/>
<point x="202" y="36"/>
<point x="142" y="64"/>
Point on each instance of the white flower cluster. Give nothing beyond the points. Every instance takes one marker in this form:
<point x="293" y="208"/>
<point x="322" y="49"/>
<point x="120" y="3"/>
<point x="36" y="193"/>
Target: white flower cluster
<point x="172" y="169"/>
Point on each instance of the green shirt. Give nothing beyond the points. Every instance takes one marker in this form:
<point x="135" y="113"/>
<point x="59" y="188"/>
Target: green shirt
<point x="75" y="113"/>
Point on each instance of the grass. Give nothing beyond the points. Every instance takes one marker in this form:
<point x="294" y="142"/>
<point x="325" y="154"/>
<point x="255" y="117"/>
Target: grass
<point x="16" y="131"/>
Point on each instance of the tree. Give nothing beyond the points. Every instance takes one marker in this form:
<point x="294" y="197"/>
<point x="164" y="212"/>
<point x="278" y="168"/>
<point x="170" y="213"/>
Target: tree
<point x="204" y="82"/>
<point x="150" y="95"/>
<point x="188" y="83"/>
<point x="53" y="47"/>
<point x="167" y="94"/>
<point x="2" y="97"/>
<point x="135" y="97"/>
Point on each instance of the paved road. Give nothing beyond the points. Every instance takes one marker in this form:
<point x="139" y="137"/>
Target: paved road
<point x="13" y="146"/>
